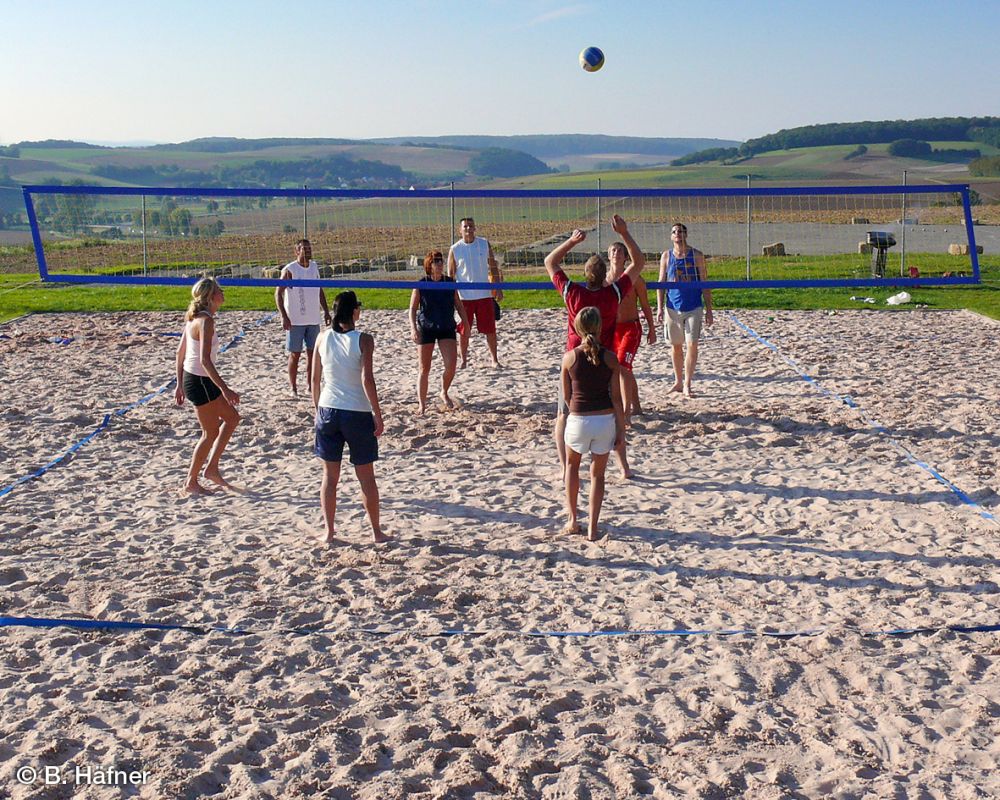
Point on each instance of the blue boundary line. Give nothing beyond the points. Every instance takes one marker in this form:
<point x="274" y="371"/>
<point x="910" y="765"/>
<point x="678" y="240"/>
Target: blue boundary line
<point x="117" y="625"/>
<point x="877" y="426"/>
<point x="120" y="412"/>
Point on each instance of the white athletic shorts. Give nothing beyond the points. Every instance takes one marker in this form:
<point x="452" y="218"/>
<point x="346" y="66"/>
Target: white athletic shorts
<point x="681" y="325"/>
<point x="591" y="434"/>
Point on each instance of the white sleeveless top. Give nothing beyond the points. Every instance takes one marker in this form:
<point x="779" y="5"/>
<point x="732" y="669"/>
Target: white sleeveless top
<point x="192" y="349"/>
<point x="302" y="304"/>
<point x="341" y="356"/>
<point x="472" y="265"/>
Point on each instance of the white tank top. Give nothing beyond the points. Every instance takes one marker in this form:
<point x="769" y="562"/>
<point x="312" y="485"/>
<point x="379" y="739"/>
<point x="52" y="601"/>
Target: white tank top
<point x="341" y="356"/>
<point x="302" y="304"/>
<point x="472" y="265"/>
<point x="192" y="349"/>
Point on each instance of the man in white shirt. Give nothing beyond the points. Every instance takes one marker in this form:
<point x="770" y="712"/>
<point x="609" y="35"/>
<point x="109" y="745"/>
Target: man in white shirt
<point x="470" y="260"/>
<point x="302" y="310"/>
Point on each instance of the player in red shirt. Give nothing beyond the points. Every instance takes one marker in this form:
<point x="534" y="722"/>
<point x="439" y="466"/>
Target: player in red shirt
<point x="606" y="298"/>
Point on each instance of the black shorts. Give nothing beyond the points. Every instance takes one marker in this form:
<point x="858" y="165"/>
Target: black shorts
<point x="199" y="389"/>
<point x="431" y="335"/>
<point x="336" y="427"/>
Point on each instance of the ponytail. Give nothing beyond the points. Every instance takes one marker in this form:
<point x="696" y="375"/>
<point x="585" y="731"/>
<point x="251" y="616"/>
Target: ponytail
<point x="201" y="297"/>
<point x="587" y="325"/>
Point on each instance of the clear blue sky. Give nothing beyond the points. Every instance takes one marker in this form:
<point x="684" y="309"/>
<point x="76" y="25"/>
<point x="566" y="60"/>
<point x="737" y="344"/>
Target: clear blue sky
<point x="169" y="71"/>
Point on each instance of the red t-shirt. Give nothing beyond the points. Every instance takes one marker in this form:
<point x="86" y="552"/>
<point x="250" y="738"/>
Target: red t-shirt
<point x="606" y="299"/>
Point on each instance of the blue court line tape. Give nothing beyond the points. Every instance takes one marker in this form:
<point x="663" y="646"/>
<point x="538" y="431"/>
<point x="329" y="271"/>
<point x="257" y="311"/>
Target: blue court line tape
<point x="118" y="625"/>
<point x="121" y="412"/>
<point x="877" y="426"/>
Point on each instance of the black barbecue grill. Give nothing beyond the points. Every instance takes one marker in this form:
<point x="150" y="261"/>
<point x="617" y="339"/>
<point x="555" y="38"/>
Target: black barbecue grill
<point x="880" y="242"/>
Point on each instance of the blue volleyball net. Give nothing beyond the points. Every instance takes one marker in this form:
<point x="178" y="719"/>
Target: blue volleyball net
<point x="769" y="237"/>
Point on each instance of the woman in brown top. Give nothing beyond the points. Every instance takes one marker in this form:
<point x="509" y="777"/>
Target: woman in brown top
<point x="596" y="421"/>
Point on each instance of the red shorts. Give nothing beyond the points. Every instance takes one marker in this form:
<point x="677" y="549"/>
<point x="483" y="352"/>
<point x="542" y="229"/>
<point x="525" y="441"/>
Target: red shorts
<point x="482" y="312"/>
<point x="628" y="337"/>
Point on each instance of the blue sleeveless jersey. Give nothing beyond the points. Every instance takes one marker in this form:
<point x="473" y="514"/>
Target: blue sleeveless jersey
<point x="683" y="269"/>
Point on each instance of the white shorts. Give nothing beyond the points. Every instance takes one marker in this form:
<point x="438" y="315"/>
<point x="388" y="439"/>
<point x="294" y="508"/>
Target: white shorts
<point x="593" y="434"/>
<point x="681" y="325"/>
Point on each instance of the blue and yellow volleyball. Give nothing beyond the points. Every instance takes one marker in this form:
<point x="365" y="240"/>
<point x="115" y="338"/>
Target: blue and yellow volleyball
<point x="592" y="59"/>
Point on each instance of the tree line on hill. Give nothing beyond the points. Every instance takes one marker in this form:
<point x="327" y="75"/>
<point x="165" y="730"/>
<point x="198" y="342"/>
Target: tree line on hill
<point x="985" y="130"/>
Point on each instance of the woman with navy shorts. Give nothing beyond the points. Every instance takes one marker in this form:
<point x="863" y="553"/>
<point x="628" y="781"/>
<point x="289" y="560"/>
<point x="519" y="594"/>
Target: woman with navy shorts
<point x="347" y="410"/>
<point x="432" y="319"/>
<point x="596" y="421"/>
<point x="199" y="381"/>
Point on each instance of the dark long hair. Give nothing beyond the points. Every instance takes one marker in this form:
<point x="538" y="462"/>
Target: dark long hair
<point x="343" y="310"/>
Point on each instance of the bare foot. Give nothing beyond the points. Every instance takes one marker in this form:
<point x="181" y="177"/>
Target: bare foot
<point x="571" y="528"/>
<point x="328" y="538"/>
<point x="195" y="489"/>
<point x="380" y="538"/>
<point x="446" y="400"/>
<point x="421" y="408"/>
<point x="216" y="477"/>
<point x="627" y="473"/>
<point x="676" y="387"/>
<point x="497" y="365"/>
<point x="462" y="365"/>
<point x="687" y="390"/>
<point x="595" y="535"/>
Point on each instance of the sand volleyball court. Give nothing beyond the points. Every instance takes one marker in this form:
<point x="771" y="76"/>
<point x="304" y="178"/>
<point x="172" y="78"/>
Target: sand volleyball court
<point x="834" y="476"/>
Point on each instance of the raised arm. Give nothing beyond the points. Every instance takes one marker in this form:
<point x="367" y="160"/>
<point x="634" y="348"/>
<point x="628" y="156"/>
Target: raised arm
<point x="368" y="379"/>
<point x="555" y="258"/>
<point x="635" y="254"/>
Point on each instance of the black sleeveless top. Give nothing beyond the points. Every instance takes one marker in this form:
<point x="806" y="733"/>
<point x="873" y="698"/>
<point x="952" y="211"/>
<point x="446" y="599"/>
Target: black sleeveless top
<point x="590" y="384"/>
<point x="437" y="308"/>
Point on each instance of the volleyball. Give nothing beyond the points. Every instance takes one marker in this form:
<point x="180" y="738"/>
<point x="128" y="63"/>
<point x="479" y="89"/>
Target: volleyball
<point x="592" y="59"/>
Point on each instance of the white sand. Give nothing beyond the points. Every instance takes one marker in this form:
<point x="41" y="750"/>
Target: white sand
<point x="761" y="504"/>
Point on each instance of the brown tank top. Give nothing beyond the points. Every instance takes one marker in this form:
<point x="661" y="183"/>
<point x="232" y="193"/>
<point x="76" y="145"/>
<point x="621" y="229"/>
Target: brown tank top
<point x="590" y="384"/>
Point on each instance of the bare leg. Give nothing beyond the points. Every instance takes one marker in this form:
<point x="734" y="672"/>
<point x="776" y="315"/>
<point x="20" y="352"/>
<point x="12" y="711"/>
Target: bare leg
<point x="425" y="352"/>
<point x="598" y="464"/>
<point x="449" y="356"/>
<point x="623" y="460"/>
<point x="626" y="395"/>
<point x="309" y="370"/>
<point x="230" y="419"/>
<point x="633" y="388"/>
<point x="366" y="477"/>
<point x="491" y="342"/>
<point x="572" y="473"/>
<point x="677" y="356"/>
<point x="560" y="437"/>
<point x="293" y="372"/>
<point x="328" y="496"/>
<point x="689" y="362"/>
<point x="209" y="421"/>
<point x="464" y="343"/>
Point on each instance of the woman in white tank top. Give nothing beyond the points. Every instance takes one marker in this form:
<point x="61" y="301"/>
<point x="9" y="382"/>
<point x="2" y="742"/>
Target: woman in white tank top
<point x="347" y="410"/>
<point x="199" y="381"/>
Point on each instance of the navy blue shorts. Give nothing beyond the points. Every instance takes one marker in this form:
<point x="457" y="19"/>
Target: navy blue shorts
<point x="334" y="427"/>
<point x="432" y="335"/>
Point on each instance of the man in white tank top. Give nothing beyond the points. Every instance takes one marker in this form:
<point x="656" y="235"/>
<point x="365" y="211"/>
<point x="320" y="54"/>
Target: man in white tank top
<point x="302" y="310"/>
<point x="470" y="260"/>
